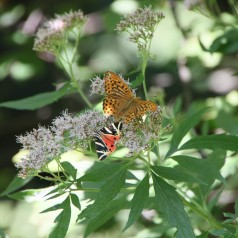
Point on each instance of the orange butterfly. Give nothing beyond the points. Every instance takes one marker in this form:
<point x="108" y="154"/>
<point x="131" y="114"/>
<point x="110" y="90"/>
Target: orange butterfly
<point x="120" y="101"/>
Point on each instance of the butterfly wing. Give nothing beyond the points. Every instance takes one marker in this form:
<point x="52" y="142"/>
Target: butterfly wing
<point x="106" y="138"/>
<point x="138" y="108"/>
<point x="118" y="94"/>
<point x="101" y="149"/>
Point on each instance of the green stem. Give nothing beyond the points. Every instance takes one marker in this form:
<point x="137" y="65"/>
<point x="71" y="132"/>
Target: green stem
<point x="70" y="71"/>
<point x="81" y="93"/>
<point x="145" y="58"/>
<point x="143" y="68"/>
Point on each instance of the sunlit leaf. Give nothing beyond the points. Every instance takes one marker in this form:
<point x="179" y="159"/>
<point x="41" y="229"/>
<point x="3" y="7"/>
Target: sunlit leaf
<point x="170" y="207"/>
<point x="23" y="195"/>
<point x="220" y="141"/>
<point x="104" y="215"/>
<point x="138" y="202"/>
<point x="183" y="129"/>
<point x="15" y="184"/>
<point x="63" y="220"/>
<point x="69" y="168"/>
<point x="101" y="171"/>
<point x="108" y="191"/>
<point x="75" y="200"/>
<point x="177" y="174"/>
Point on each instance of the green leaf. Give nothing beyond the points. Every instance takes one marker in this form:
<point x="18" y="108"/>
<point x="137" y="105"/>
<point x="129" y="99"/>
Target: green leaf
<point x="102" y="217"/>
<point x="183" y="129"/>
<point x="177" y="105"/>
<point x="69" y="169"/>
<point x="39" y="100"/>
<point x="207" y="170"/>
<point x="229" y="215"/>
<point x="75" y="200"/>
<point x="54" y="208"/>
<point x="138" y="202"/>
<point x="138" y="81"/>
<point x="108" y="191"/>
<point x="15" y="184"/>
<point x="222" y="119"/>
<point x="178" y="174"/>
<point x="63" y="221"/>
<point x="212" y="142"/>
<point x="22" y="195"/>
<point x="101" y="171"/>
<point x="2" y="234"/>
<point x="170" y="207"/>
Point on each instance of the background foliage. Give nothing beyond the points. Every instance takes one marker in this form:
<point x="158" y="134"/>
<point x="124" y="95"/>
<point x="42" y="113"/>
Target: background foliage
<point x="195" y="67"/>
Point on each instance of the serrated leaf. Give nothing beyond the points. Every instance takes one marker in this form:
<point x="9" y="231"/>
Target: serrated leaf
<point x="207" y="170"/>
<point x="138" y="202"/>
<point x="63" y="221"/>
<point x="101" y="171"/>
<point x="75" y="200"/>
<point x="69" y="169"/>
<point x="15" y="184"/>
<point x="212" y="142"/>
<point x="22" y="195"/>
<point x="183" y="129"/>
<point x="178" y="174"/>
<point x="170" y="207"/>
<point x="102" y="217"/>
<point x="108" y="191"/>
<point x="38" y="100"/>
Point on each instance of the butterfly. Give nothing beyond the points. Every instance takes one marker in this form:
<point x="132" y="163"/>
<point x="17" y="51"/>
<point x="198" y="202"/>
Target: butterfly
<point x="106" y="138"/>
<point x="120" y="100"/>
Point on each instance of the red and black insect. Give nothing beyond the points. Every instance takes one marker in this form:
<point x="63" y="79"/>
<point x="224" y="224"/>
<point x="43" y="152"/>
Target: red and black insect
<point x="106" y="138"/>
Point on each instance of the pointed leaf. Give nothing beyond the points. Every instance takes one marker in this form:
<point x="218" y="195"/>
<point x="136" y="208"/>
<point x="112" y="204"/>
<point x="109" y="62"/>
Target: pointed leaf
<point x="212" y="142"/>
<point x="170" y="206"/>
<point x="101" y="171"/>
<point x="178" y="174"/>
<point x="207" y="170"/>
<point x="138" y="202"/>
<point x="104" y="215"/>
<point x="22" y="195"/>
<point x="15" y="184"/>
<point x="63" y="221"/>
<point x="69" y="168"/>
<point x="37" y="101"/>
<point x="108" y="191"/>
<point x="183" y="129"/>
<point x="138" y="81"/>
<point x="75" y="200"/>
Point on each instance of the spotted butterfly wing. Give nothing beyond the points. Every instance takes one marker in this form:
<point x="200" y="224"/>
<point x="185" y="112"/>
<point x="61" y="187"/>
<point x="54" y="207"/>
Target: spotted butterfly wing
<point x="106" y="138"/>
<point x="120" y="101"/>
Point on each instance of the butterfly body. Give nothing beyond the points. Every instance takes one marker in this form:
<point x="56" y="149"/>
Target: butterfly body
<point x="121" y="102"/>
<point x="106" y="138"/>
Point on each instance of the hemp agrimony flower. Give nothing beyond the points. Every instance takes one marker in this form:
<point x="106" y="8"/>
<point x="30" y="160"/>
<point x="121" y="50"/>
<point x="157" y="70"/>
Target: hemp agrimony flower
<point x="138" y="136"/>
<point x="67" y="132"/>
<point x="52" y="33"/>
<point x="140" y="26"/>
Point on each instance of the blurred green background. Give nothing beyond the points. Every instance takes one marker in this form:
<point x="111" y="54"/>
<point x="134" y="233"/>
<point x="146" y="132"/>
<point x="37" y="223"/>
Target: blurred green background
<point x="195" y="50"/>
